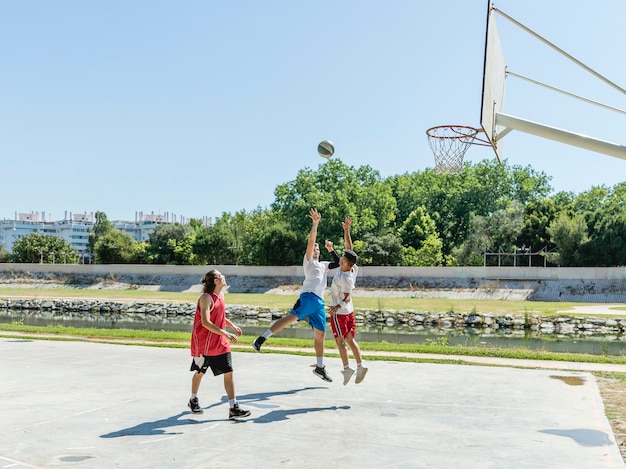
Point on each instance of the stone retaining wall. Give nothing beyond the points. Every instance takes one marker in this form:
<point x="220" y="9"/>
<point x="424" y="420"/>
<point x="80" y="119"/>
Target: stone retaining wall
<point x="569" y="326"/>
<point x="594" y="285"/>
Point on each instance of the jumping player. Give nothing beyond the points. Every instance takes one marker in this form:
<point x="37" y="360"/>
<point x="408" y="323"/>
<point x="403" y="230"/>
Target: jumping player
<point x="310" y="304"/>
<point x="342" y="310"/>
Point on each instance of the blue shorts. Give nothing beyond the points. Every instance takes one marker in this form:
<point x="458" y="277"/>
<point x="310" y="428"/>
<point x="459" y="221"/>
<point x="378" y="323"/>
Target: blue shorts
<point x="311" y="307"/>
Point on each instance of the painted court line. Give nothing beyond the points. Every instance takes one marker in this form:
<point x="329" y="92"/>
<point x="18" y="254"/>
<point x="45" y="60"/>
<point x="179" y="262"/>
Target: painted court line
<point x="19" y="463"/>
<point x="63" y="417"/>
<point x="157" y="441"/>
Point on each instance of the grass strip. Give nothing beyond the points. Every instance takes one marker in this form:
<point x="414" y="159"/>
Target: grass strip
<point x="181" y="339"/>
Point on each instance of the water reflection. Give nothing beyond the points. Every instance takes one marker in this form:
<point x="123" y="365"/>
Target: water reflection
<point x="502" y="338"/>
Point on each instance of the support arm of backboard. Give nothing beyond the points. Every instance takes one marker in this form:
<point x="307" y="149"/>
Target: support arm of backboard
<point x="559" y="50"/>
<point x="559" y="135"/>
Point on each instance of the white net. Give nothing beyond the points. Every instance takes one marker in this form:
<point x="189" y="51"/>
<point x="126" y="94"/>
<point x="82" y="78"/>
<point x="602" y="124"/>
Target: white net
<point x="449" y="144"/>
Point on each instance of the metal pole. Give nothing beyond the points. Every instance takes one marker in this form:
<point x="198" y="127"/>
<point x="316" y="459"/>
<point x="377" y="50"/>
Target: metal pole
<point x="560" y="51"/>
<point x="563" y="136"/>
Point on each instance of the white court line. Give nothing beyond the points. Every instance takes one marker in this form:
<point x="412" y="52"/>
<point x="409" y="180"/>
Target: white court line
<point x="156" y="441"/>
<point x="73" y="448"/>
<point x="19" y="463"/>
<point x="63" y="417"/>
<point x="211" y="427"/>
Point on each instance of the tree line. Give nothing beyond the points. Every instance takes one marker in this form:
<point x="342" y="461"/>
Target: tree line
<point x="414" y="219"/>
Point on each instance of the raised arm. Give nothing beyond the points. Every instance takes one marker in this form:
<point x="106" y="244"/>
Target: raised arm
<point x="347" y="239"/>
<point x="329" y="247"/>
<point x="315" y="216"/>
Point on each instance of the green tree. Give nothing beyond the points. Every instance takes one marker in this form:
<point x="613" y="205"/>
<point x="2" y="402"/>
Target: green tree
<point x="36" y="247"/>
<point x="214" y="245"/>
<point x="337" y="191"/>
<point x="140" y="253"/>
<point x="449" y="200"/>
<point x="101" y="227"/>
<point x="279" y="245"/>
<point x="429" y="253"/>
<point x="494" y="233"/>
<point x="606" y="224"/>
<point x="171" y="244"/>
<point x="569" y="234"/>
<point x="5" y="256"/>
<point x="538" y="215"/>
<point x="239" y="234"/>
<point x="590" y="200"/>
<point x="379" y="250"/>
<point x="471" y="251"/>
<point x="116" y="247"/>
<point x="417" y="228"/>
<point x="606" y="247"/>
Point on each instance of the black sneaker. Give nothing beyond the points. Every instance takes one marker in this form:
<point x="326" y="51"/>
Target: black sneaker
<point x="258" y="342"/>
<point x="236" y="413"/>
<point x="321" y="372"/>
<point x="194" y="405"/>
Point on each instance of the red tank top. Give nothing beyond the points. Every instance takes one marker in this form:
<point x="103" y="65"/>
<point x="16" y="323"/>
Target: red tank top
<point x="203" y="341"/>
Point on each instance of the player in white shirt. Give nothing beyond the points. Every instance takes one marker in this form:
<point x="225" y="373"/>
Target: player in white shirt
<point x="342" y="310"/>
<point x="310" y="304"/>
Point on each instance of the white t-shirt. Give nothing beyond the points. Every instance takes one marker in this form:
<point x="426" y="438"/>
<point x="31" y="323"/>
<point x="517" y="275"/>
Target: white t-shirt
<point x="314" y="276"/>
<point x="343" y="282"/>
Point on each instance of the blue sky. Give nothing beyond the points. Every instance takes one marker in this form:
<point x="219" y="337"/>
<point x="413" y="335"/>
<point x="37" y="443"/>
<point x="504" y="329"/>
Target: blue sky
<point x="200" y="107"/>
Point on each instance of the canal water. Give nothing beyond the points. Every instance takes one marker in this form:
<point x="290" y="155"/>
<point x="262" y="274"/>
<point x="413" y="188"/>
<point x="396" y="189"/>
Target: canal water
<point x="503" y="338"/>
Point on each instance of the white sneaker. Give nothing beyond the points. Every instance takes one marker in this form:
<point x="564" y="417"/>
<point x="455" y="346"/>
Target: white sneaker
<point x="361" y="371"/>
<point x="347" y="374"/>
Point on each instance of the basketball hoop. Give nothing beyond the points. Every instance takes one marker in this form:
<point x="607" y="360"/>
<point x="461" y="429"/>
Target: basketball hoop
<point x="449" y="144"/>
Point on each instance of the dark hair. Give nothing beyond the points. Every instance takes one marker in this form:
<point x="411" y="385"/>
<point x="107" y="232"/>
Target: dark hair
<point x="351" y="256"/>
<point x="209" y="280"/>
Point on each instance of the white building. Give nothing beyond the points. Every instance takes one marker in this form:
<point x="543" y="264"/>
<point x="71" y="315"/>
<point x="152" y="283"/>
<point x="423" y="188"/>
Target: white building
<point x="75" y="228"/>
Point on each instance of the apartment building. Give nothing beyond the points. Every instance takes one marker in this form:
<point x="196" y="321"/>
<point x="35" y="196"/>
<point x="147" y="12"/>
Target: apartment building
<point x="74" y="228"/>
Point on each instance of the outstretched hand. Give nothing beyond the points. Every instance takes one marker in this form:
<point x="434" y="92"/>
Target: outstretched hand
<point x="315" y="215"/>
<point x="346" y="223"/>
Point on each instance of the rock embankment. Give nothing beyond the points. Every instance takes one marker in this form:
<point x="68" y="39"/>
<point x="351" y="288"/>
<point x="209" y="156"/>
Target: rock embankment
<point x="182" y="313"/>
<point x="554" y="284"/>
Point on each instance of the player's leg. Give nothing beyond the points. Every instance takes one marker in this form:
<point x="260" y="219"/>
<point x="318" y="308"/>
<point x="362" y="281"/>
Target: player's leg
<point x="320" y="369"/>
<point x="354" y="347"/>
<point x="335" y="324"/>
<point x="318" y="344"/>
<point x="338" y="324"/>
<point x="283" y="322"/>
<point x="343" y="351"/>
<point x="199" y="365"/>
<point x="229" y="385"/>
<point x="195" y="382"/>
<point x="278" y="326"/>
<point x="223" y="365"/>
<point x="316" y="315"/>
<point x="361" y="370"/>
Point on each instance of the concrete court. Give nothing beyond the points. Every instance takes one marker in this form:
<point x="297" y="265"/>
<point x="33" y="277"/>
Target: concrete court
<point x="73" y="404"/>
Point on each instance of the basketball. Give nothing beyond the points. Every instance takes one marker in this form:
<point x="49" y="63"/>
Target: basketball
<point x="326" y="149"/>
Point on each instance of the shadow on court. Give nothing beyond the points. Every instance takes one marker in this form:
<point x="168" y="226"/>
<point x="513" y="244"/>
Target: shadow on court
<point x="163" y="426"/>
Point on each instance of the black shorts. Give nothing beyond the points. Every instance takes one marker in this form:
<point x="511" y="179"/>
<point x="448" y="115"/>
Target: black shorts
<point x="219" y="364"/>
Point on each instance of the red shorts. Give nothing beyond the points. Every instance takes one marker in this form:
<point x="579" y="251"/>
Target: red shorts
<point x="342" y="324"/>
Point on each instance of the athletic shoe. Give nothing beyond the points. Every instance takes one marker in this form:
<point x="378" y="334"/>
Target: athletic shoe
<point x="258" y="342"/>
<point x="347" y="374"/>
<point x="194" y="405"/>
<point x="361" y="371"/>
<point x="236" y="413"/>
<point x="321" y="372"/>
